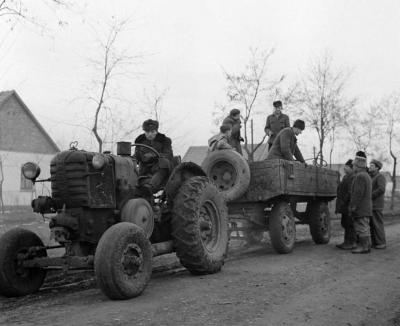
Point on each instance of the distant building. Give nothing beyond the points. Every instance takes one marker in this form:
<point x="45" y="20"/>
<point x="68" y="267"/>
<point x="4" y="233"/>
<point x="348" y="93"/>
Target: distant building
<point x="22" y="139"/>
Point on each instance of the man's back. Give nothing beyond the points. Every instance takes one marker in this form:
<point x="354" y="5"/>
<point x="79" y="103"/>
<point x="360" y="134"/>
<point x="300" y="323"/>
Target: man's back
<point x="285" y="146"/>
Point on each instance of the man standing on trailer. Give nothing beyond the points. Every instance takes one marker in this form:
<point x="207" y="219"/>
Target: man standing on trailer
<point x="275" y="123"/>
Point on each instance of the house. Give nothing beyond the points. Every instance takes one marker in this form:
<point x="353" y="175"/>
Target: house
<point x="22" y="139"/>
<point x="197" y="154"/>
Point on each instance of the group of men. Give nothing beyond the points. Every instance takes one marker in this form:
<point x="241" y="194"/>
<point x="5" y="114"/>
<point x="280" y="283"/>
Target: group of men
<point x="282" y="139"/>
<point x="360" y="201"/>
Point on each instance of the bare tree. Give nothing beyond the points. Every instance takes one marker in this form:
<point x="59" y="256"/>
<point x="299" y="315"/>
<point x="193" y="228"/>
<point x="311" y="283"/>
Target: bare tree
<point x="1" y="184"/>
<point x="321" y="99"/>
<point x="111" y="64"/>
<point x="14" y="11"/>
<point x="154" y="101"/>
<point x="244" y="89"/>
<point x="387" y="114"/>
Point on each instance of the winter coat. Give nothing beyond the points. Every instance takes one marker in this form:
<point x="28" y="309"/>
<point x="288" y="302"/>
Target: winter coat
<point x="378" y="190"/>
<point x="275" y="123"/>
<point x="218" y="142"/>
<point x="234" y="140"/>
<point x="343" y="194"/>
<point x="285" y="147"/>
<point x="360" y="197"/>
<point x="147" y="159"/>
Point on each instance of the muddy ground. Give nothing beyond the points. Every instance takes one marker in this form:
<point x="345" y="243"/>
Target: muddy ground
<point x="314" y="285"/>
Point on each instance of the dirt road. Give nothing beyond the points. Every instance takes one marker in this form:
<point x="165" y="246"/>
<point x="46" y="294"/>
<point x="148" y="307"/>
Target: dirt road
<point x="315" y="285"/>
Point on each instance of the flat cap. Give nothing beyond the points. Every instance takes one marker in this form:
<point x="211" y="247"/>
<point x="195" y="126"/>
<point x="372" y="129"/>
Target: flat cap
<point x="377" y="163"/>
<point x="299" y="124"/>
<point x="277" y="104"/>
<point x="234" y="112"/>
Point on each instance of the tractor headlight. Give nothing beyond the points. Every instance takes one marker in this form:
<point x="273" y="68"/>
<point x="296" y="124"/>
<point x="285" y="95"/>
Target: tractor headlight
<point x="30" y="170"/>
<point x="98" y="161"/>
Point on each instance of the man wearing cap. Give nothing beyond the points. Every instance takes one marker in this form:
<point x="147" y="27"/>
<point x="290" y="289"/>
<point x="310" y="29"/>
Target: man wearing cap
<point x="285" y="144"/>
<point x="378" y="237"/>
<point x="275" y="123"/>
<point x="361" y="204"/>
<point x="233" y="119"/>
<point x="342" y="207"/>
<point x="157" y="168"/>
<point x="220" y="141"/>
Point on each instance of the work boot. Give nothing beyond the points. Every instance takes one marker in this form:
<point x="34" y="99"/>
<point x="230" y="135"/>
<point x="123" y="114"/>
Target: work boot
<point x="380" y="246"/>
<point x="364" y="246"/>
<point x="348" y="243"/>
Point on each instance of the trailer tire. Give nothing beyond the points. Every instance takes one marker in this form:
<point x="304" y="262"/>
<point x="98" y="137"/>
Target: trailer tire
<point x="229" y="171"/>
<point x="282" y="228"/>
<point x="320" y="222"/>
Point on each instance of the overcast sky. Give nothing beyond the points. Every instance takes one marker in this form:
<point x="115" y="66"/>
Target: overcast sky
<point x="185" y="44"/>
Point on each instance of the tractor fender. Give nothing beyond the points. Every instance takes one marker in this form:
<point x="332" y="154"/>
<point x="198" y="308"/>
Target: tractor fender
<point x="182" y="172"/>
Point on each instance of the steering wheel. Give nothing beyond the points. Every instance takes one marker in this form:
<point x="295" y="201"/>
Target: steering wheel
<point x="148" y="147"/>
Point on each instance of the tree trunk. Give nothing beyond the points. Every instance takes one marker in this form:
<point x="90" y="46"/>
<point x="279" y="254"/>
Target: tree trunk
<point x="393" y="182"/>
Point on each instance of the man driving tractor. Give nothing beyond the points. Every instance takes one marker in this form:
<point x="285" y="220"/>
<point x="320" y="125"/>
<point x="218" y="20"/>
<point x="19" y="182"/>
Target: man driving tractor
<point x="157" y="169"/>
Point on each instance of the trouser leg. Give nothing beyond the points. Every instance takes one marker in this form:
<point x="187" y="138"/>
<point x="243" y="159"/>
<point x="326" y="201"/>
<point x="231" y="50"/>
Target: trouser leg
<point x="361" y="226"/>
<point x="158" y="180"/>
<point x="377" y="228"/>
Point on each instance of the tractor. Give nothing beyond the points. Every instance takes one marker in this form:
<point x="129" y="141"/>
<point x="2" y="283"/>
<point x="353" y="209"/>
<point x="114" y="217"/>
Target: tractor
<point x="102" y="221"/>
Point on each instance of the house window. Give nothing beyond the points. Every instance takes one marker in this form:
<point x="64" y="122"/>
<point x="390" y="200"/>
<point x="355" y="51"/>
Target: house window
<point x="26" y="184"/>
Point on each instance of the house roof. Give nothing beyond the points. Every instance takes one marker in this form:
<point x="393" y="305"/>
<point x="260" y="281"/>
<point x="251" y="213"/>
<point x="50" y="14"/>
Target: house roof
<point x="4" y="97"/>
<point x="197" y="154"/>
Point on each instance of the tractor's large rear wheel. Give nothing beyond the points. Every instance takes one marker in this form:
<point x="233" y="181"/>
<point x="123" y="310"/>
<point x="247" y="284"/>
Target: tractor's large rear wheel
<point x="200" y="226"/>
<point x="282" y="227"/>
<point x="16" y="246"/>
<point x="123" y="261"/>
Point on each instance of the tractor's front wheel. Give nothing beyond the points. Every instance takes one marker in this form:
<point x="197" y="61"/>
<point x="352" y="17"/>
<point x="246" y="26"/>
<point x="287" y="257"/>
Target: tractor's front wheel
<point x="123" y="261"/>
<point x="16" y="246"/>
<point x="200" y="226"/>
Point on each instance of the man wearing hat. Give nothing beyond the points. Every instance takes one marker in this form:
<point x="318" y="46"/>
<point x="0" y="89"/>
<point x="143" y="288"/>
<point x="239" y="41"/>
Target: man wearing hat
<point x="220" y="141"/>
<point x="285" y="144"/>
<point x="378" y="237"/>
<point x="233" y="119"/>
<point x="275" y="123"/>
<point x="156" y="168"/>
<point x="361" y="204"/>
<point x="342" y="207"/>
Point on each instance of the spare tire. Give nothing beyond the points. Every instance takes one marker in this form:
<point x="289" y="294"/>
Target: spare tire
<point x="229" y="171"/>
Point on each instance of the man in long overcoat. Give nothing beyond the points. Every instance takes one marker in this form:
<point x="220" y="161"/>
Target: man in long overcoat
<point x="233" y="119"/>
<point x="378" y="237"/>
<point x="361" y="204"/>
<point x="285" y="144"/>
<point x="156" y="168"/>
<point x="342" y="207"/>
<point x="275" y="123"/>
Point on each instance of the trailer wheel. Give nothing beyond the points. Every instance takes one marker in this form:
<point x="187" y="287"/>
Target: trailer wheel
<point x="320" y="221"/>
<point x="15" y="280"/>
<point x="282" y="228"/>
<point x="229" y="171"/>
<point x="200" y="226"/>
<point x="123" y="261"/>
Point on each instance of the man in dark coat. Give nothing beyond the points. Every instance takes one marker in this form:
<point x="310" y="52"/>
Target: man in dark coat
<point x="156" y="168"/>
<point x="233" y="119"/>
<point x="361" y="204"/>
<point x="378" y="237"/>
<point x="220" y="141"/>
<point x="285" y="144"/>
<point x="275" y="123"/>
<point x="342" y="207"/>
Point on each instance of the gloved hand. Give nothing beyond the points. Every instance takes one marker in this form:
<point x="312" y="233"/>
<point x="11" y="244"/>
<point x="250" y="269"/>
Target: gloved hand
<point x="241" y="139"/>
<point x="148" y="157"/>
